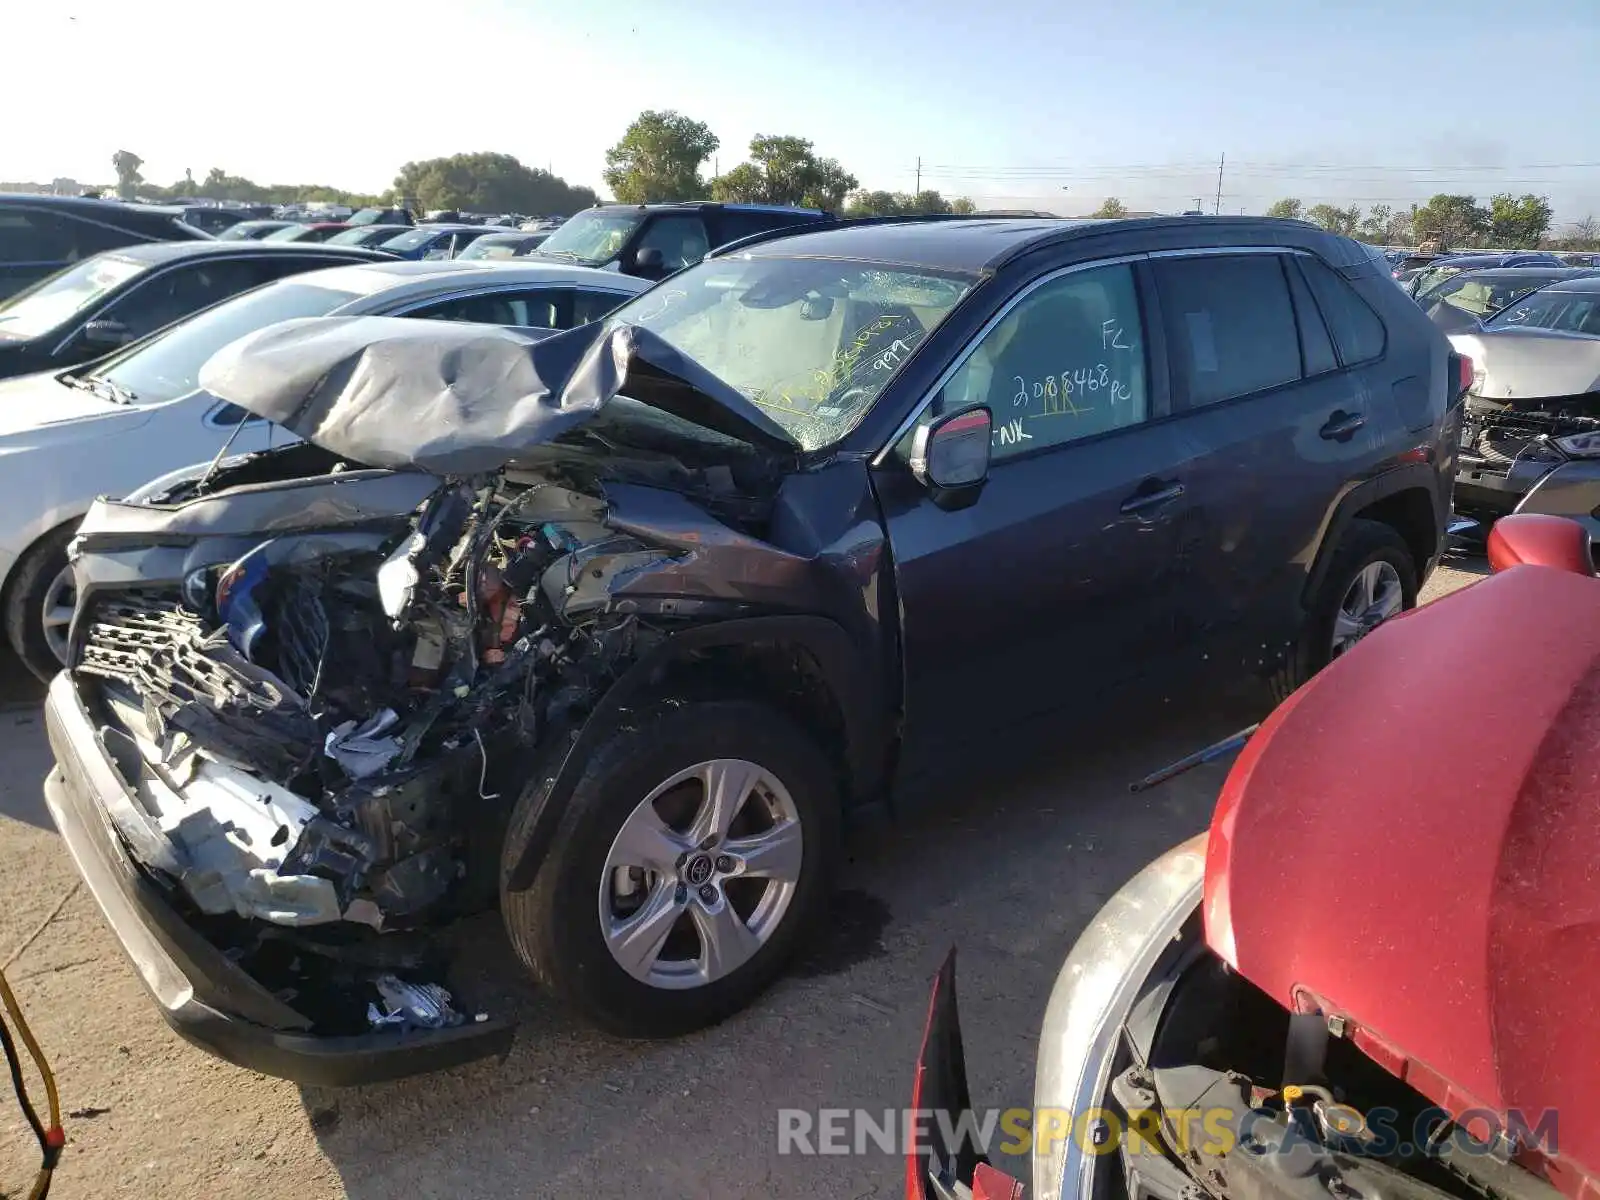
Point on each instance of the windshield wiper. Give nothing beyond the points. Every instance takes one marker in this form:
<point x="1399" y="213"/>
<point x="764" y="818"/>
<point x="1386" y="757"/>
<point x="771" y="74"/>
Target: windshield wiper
<point x="101" y="387"/>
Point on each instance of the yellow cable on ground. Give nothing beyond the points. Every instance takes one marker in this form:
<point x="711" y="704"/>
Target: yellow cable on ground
<point x="51" y="1137"/>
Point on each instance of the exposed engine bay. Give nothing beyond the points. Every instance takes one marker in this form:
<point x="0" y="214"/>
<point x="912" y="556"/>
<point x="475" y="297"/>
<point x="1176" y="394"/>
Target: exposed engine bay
<point x="1264" y="1103"/>
<point x="1497" y="437"/>
<point x="327" y="729"/>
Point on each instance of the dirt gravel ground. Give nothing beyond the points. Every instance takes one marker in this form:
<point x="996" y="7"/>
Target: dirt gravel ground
<point x="1010" y="872"/>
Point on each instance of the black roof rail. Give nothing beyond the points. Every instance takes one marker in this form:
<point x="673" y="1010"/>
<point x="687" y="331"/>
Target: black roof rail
<point x="834" y="222"/>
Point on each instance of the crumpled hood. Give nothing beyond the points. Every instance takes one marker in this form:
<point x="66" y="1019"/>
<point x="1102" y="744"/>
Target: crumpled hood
<point x="40" y="409"/>
<point x="1529" y="364"/>
<point x="1424" y="859"/>
<point x="456" y="398"/>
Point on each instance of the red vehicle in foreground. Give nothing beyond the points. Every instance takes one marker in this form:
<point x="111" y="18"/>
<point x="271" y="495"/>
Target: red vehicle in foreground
<point x="1375" y="977"/>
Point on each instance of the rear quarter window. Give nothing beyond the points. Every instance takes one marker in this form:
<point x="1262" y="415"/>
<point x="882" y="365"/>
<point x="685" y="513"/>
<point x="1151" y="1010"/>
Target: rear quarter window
<point x="1358" y="332"/>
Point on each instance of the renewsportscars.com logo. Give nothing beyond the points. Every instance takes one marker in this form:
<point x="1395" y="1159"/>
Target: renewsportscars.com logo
<point x="1096" y="1131"/>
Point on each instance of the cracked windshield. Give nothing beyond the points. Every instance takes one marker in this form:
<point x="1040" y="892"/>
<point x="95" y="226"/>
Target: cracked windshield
<point x="812" y="342"/>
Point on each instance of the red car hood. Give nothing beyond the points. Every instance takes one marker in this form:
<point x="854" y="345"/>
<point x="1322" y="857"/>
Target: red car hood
<point x="1413" y="842"/>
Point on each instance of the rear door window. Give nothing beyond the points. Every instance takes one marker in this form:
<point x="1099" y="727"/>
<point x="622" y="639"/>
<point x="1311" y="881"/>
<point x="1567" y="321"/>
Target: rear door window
<point x="591" y="306"/>
<point x="1316" y="346"/>
<point x="735" y="224"/>
<point x="544" y="308"/>
<point x="1358" y="333"/>
<point x="1230" y="325"/>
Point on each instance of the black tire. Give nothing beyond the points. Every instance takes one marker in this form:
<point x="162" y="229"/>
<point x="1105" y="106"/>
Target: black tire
<point x="35" y="571"/>
<point x="554" y="923"/>
<point x="1364" y="542"/>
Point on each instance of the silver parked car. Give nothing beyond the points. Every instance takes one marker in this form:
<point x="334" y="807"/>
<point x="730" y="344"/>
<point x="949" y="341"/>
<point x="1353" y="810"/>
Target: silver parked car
<point x="1534" y="405"/>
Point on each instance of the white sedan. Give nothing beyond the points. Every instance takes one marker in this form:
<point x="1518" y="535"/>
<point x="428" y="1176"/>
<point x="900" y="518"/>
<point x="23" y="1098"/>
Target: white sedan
<point x="111" y="425"/>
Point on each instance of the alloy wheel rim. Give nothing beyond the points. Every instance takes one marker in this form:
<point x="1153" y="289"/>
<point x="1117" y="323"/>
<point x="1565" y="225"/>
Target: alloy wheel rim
<point x="56" y="613"/>
<point x="701" y="874"/>
<point x="1373" y="596"/>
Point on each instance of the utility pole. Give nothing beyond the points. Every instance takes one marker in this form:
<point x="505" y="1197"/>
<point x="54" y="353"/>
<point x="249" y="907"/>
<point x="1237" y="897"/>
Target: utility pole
<point x="1217" y="211"/>
<point x="918" y="190"/>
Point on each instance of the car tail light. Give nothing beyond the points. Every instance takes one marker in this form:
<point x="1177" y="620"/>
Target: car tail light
<point x="1465" y="378"/>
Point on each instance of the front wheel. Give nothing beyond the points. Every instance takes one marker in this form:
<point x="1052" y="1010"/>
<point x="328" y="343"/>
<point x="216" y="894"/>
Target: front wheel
<point x="39" y="604"/>
<point x="1371" y="578"/>
<point x="695" y="854"/>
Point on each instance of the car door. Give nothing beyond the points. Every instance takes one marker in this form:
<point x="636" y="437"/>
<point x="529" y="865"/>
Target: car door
<point x="1050" y="590"/>
<point x="1273" y="426"/>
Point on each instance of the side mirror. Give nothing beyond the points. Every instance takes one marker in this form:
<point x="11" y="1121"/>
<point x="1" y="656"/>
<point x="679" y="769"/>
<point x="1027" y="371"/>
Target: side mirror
<point x="106" y="334"/>
<point x="1541" y="540"/>
<point x="649" y="264"/>
<point x="950" y="457"/>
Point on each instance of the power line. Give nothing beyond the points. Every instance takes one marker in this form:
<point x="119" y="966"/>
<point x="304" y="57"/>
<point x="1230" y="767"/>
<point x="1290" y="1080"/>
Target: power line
<point x="1078" y="169"/>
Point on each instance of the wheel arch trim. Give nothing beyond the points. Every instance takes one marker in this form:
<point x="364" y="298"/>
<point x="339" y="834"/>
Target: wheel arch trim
<point x="858" y="693"/>
<point x="1409" y="477"/>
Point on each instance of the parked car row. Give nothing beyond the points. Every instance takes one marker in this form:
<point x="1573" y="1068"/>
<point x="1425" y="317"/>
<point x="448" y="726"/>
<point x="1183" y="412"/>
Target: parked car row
<point x="586" y="612"/>
<point x="1530" y="434"/>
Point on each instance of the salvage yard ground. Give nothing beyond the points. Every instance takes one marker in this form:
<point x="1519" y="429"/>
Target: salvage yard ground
<point x="1010" y="876"/>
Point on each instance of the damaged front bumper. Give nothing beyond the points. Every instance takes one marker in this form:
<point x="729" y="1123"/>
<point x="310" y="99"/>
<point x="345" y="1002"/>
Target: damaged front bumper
<point x="206" y="996"/>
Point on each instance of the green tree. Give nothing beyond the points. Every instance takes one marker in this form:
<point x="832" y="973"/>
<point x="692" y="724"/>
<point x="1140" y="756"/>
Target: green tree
<point x="659" y="158"/>
<point x="1375" y="226"/>
<point x="785" y="170"/>
<point x="1285" y="208"/>
<point x="875" y="204"/>
<point x="487" y="182"/>
<point x="127" y="164"/>
<point x="1460" y="219"/>
<point x="897" y="204"/>
<point x="1111" y="208"/>
<point x="1335" y="219"/>
<point x="961" y="206"/>
<point x="1518" y="223"/>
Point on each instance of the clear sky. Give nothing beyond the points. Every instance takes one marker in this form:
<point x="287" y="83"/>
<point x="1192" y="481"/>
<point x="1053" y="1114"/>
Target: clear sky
<point x="1008" y="101"/>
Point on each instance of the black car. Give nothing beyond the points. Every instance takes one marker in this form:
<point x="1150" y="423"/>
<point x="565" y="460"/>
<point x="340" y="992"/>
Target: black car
<point x="114" y="298"/>
<point x="39" y="235"/>
<point x="653" y="240"/>
<point x="619" y="625"/>
<point x="1463" y="300"/>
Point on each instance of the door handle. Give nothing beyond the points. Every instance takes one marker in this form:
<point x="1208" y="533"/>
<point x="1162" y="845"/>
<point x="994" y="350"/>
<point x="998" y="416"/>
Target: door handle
<point x="1152" y="493"/>
<point x="1341" y="425"/>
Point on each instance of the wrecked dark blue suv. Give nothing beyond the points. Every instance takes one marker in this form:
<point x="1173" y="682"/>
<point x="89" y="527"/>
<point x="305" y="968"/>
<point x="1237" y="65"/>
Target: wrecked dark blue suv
<point x="615" y="627"/>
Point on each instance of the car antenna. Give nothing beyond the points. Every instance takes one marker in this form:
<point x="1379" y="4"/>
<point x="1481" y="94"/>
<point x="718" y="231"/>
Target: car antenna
<point x="1210" y="754"/>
